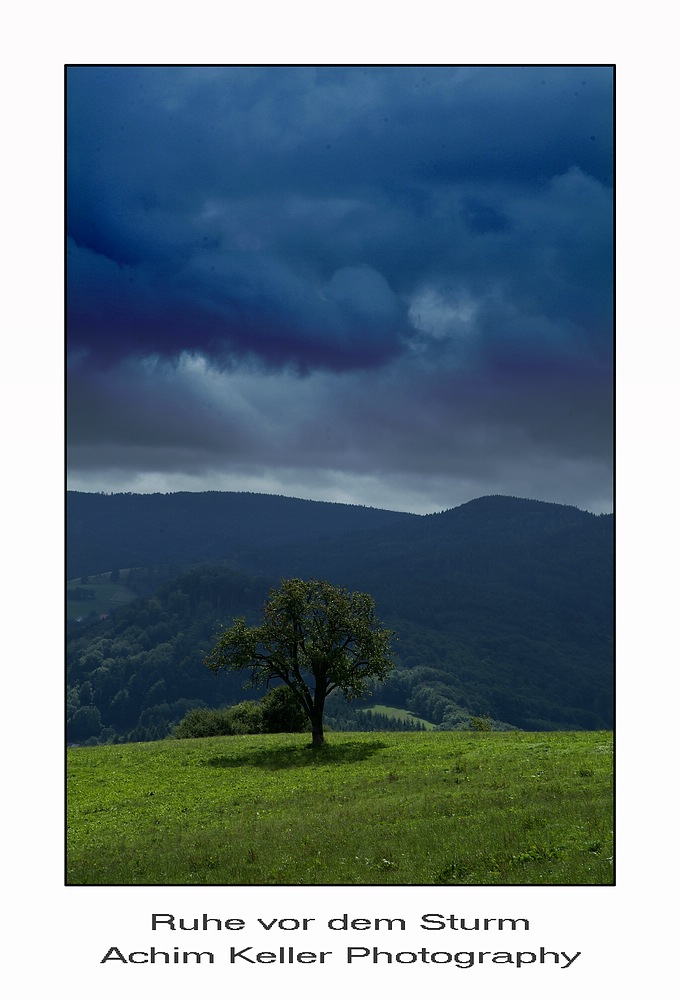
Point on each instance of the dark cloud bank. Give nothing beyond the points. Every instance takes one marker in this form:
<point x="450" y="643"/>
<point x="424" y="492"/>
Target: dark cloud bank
<point x="380" y="285"/>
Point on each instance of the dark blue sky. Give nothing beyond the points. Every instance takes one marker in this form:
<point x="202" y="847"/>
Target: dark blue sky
<point x="380" y="285"/>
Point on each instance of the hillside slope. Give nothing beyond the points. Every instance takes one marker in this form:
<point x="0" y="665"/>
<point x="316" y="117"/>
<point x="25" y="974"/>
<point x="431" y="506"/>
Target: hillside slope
<point x="512" y="600"/>
<point x="112" y="531"/>
<point x="500" y="606"/>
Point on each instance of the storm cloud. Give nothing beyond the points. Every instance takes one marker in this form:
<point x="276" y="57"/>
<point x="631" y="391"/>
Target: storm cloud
<point x="381" y="285"/>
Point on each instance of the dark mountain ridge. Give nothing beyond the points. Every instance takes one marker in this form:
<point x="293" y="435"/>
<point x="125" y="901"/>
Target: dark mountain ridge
<point x="108" y="531"/>
<point x="514" y="596"/>
<point x="539" y="550"/>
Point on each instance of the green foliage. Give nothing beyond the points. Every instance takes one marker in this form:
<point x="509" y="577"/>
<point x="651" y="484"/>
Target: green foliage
<point x="419" y="808"/>
<point x="314" y="637"/>
<point x="201" y="722"/>
<point x="86" y="723"/>
<point x="142" y="666"/>
<point x="246" y="717"/>
<point x="278" y="712"/>
<point x="480" y="723"/>
<point x="282" y="712"/>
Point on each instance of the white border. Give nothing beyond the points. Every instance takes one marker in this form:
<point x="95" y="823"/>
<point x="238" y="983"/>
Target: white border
<point x="623" y="932"/>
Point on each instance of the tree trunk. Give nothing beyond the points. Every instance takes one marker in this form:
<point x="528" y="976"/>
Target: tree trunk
<point x="317" y="728"/>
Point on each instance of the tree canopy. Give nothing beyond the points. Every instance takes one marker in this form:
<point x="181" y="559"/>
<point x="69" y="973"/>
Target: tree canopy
<point x="316" y="638"/>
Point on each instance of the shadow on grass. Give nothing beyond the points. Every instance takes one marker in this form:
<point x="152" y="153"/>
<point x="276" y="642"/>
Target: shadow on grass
<point x="304" y="756"/>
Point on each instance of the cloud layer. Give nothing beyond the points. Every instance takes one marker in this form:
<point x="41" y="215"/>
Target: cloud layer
<point x="388" y="285"/>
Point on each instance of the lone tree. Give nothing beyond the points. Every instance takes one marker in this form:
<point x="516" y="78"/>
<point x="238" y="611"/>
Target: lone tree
<point x="314" y="637"/>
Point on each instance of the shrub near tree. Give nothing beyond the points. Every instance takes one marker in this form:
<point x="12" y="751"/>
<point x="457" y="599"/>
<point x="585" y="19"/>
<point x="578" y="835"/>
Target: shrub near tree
<point x="282" y="712"/>
<point x="315" y="638"/>
<point x="201" y="722"/>
<point x="278" y="712"/>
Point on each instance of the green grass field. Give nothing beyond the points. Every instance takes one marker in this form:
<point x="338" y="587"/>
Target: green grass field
<point x="440" y="808"/>
<point x="400" y="713"/>
<point x="107" y="596"/>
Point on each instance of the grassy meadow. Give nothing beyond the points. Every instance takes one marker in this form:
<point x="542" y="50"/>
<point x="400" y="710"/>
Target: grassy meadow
<point x="108" y="594"/>
<point x="424" y="808"/>
<point x="400" y="713"/>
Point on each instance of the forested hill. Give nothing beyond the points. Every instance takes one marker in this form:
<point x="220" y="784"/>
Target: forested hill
<point x="493" y="540"/>
<point x="112" y="531"/>
<point x="500" y="606"/>
<point x="509" y="597"/>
